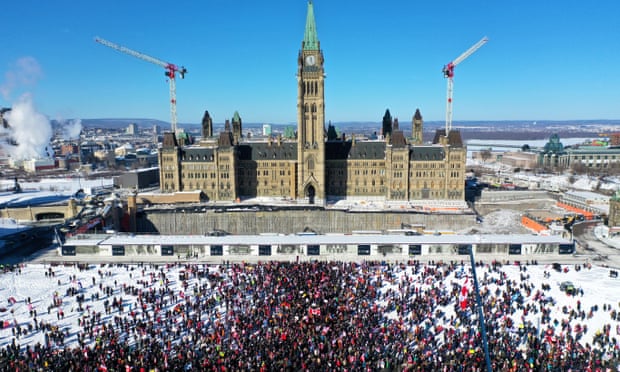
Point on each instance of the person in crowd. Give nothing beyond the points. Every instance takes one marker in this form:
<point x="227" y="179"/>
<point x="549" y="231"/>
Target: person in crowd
<point x="308" y="316"/>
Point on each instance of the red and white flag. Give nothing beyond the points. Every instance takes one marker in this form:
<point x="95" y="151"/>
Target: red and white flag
<point x="314" y="311"/>
<point x="463" y="296"/>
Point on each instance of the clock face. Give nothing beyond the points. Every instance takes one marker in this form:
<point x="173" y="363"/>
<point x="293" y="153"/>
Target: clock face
<point x="310" y="60"/>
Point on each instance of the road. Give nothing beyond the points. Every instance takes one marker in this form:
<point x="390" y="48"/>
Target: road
<point x="597" y="251"/>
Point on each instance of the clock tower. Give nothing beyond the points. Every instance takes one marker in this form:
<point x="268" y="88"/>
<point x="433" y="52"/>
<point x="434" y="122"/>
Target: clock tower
<point x="310" y="116"/>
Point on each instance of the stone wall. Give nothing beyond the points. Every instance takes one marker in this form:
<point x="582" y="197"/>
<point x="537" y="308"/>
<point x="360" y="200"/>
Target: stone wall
<point x="292" y="221"/>
<point x="491" y="201"/>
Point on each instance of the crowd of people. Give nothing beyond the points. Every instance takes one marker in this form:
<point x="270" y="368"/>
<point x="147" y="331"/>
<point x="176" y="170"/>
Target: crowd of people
<point x="308" y="316"/>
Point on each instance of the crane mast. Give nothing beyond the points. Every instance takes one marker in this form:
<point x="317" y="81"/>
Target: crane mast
<point x="448" y="72"/>
<point x="171" y="72"/>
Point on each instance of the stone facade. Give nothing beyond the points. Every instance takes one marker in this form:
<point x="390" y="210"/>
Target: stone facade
<point x="310" y="168"/>
<point x="289" y="221"/>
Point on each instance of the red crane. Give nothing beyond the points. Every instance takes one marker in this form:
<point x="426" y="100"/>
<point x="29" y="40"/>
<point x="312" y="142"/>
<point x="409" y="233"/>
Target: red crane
<point x="171" y="73"/>
<point x="448" y="72"/>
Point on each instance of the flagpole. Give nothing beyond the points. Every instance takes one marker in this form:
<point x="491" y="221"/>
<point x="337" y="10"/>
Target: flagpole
<point x="483" y="328"/>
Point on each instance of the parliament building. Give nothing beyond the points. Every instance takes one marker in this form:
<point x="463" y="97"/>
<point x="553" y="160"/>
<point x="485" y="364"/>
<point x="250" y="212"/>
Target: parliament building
<point x="316" y="165"/>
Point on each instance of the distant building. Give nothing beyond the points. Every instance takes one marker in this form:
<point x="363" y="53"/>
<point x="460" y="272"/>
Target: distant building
<point x="132" y="129"/>
<point x="37" y="165"/>
<point x="580" y="156"/>
<point x="138" y="180"/>
<point x="520" y="159"/>
<point x="67" y="149"/>
<point x="587" y="200"/>
<point x="266" y="130"/>
<point x="311" y="167"/>
<point x="124" y="150"/>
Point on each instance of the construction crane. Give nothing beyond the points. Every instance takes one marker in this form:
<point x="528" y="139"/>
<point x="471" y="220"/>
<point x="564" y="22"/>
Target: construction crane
<point x="171" y="73"/>
<point x="448" y="72"/>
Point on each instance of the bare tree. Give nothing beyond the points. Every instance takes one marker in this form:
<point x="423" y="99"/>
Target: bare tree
<point x="485" y="155"/>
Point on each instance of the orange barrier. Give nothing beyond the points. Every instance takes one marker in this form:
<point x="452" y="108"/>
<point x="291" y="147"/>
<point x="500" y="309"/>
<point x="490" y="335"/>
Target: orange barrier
<point x="587" y="215"/>
<point x="531" y="224"/>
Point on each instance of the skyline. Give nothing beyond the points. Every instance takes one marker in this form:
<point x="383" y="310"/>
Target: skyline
<point x="542" y="62"/>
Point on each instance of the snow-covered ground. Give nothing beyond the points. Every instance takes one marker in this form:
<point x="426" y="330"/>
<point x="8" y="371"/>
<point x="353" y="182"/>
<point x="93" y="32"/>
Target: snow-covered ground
<point x="505" y="221"/>
<point x="64" y="185"/>
<point x="35" y="287"/>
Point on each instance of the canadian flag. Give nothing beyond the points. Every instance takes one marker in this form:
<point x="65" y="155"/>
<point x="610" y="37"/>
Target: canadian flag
<point x="315" y="311"/>
<point x="463" y="296"/>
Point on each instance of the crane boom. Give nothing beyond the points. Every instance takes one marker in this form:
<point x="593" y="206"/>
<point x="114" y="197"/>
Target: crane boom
<point x="448" y="72"/>
<point x="470" y="51"/>
<point x="171" y="73"/>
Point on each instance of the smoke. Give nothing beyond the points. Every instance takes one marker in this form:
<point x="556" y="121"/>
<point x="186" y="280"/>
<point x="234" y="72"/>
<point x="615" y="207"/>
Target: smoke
<point x="71" y="129"/>
<point x="30" y="129"/>
<point x="24" y="72"/>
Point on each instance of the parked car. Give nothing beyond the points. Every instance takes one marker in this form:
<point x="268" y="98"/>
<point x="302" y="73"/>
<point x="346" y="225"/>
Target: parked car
<point x="567" y="287"/>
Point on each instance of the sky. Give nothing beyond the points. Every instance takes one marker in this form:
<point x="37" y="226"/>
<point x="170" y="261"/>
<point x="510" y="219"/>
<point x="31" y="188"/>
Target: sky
<point x="545" y="60"/>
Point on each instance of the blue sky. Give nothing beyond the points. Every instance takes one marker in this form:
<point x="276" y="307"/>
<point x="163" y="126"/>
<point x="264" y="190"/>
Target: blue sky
<point x="545" y="60"/>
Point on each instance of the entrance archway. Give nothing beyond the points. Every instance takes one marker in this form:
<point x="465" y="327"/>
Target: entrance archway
<point x="310" y="193"/>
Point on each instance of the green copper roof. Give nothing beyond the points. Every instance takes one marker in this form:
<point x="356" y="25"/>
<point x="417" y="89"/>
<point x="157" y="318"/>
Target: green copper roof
<point x="311" y="41"/>
<point x="236" y="117"/>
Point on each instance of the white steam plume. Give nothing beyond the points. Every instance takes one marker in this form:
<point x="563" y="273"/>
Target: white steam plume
<point x="71" y="129"/>
<point x="24" y="72"/>
<point x="30" y="129"/>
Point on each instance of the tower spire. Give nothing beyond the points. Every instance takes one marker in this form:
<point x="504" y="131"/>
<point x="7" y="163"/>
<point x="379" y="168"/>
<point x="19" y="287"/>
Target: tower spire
<point x="311" y="40"/>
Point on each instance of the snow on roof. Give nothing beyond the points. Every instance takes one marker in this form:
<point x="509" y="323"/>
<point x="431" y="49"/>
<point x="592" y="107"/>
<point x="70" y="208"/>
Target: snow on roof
<point x="31" y="198"/>
<point x="587" y="195"/>
<point x="343" y="239"/>
<point x="9" y="226"/>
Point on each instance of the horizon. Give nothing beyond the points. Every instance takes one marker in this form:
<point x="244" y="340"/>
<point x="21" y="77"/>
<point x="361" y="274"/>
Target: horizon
<point x="455" y="124"/>
<point x="242" y="57"/>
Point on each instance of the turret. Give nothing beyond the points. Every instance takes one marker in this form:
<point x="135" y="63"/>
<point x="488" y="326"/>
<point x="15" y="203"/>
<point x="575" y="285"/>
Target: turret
<point x="417" y="128"/>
